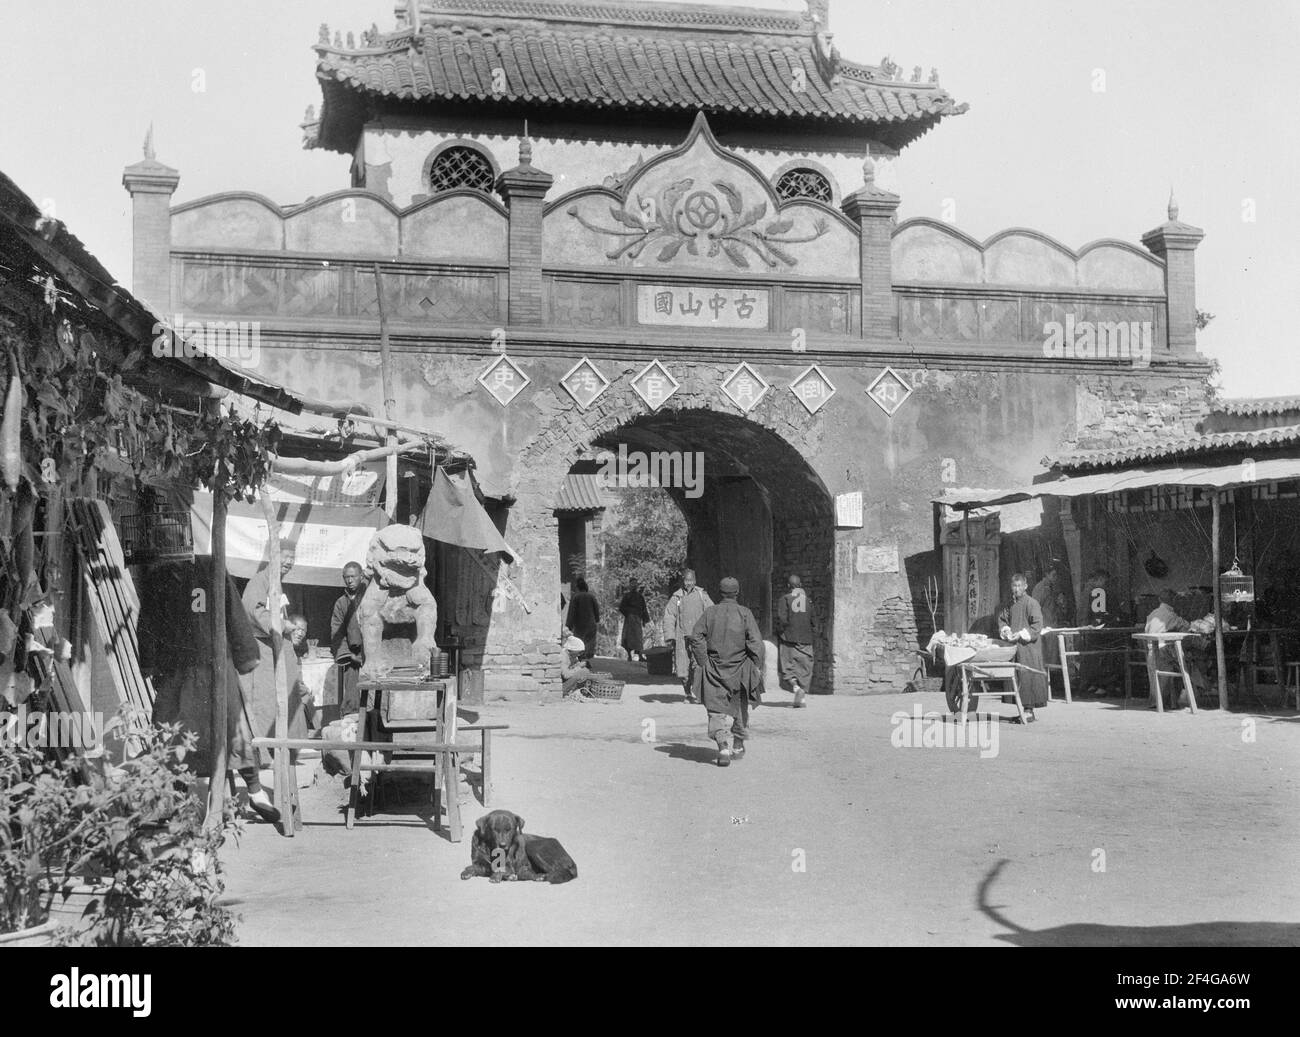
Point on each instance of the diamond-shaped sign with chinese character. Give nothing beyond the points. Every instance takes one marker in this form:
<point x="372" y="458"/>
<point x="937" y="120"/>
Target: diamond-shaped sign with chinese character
<point x="584" y="383"/>
<point x="655" y="385"/>
<point x="504" y="379"/>
<point x="890" y="391"/>
<point x="813" y="389"/>
<point x="745" y="387"/>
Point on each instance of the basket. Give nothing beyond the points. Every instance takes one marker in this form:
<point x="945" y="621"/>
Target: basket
<point x="603" y="690"/>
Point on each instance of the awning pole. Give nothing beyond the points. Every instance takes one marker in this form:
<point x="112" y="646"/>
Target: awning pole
<point x="965" y="572"/>
<point x="217" y="704"/>
<point x="390" y="403"/>
<point x="1217" y="561"/>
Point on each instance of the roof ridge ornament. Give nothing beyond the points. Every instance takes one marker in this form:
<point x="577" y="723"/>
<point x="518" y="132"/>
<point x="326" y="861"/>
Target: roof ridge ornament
<point x="1173" y="206"/>
<point x="150" y="154"/>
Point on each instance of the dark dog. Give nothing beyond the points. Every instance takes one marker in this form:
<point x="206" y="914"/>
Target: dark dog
<point x="500" y="851"/>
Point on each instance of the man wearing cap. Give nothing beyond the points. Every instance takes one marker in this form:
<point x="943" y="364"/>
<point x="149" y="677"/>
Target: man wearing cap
<point x="794" y="628"/>
<point x="684" y="610"/>
<point x="728" y="653"/>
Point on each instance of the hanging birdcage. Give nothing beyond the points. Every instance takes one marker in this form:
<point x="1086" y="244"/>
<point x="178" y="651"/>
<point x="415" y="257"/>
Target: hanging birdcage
<point x="1236" y="588"/>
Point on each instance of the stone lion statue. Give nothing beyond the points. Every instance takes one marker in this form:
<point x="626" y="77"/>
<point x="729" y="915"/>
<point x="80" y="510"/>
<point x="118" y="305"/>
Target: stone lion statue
<point x="396" y="594"/>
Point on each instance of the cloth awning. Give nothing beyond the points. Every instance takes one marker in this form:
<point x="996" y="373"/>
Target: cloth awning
<point x="1219" y="477"/>
<point x="329" y="520"/>
<point x="454" y="515"/>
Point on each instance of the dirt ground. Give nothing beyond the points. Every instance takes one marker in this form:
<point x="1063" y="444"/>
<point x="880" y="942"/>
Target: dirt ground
<point x="1095" y="826"/>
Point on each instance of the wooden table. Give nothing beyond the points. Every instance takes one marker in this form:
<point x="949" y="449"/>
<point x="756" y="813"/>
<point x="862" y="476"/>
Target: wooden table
<point x="1064" y="638"/>
<point x="1153" y="643"/>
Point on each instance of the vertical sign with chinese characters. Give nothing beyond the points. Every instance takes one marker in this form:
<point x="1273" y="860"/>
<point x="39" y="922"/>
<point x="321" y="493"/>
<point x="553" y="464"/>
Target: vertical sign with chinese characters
<point x="702" y="307"/>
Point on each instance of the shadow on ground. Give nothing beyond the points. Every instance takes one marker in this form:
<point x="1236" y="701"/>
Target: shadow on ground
<point x="1087" y="934"/>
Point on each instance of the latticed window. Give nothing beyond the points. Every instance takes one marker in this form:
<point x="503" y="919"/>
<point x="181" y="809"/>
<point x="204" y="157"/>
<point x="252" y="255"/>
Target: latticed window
<point x="461" y="167"/>
<point x="805" y="183"/>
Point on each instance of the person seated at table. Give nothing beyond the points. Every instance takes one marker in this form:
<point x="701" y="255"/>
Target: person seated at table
<point x="1164" y="620"/>
<point x="1022" y="622"/>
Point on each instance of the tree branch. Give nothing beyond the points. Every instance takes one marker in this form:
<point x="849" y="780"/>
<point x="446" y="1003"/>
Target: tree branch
<point x="304" y="466"/>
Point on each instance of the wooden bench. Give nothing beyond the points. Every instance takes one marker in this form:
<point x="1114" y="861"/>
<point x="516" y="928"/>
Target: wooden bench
<point x="426" y="757"/>
<point x="1153" y="643"/>
<point x="1065" y="639"/>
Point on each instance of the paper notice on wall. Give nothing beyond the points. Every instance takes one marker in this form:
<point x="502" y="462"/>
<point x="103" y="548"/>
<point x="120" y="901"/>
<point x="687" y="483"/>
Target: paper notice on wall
<point x="844" y="560"/>
<point x="880" y="559"/>
<point x="848" y="511"/>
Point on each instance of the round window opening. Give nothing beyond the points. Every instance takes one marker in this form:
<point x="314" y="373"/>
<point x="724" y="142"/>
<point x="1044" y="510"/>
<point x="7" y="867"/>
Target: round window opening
<point x="461" y="167"/>
<point x="805" y="183"/>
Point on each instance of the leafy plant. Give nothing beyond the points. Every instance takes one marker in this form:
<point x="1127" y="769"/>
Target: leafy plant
<point x="646" y="540"/>
<point x="135" y="833"/>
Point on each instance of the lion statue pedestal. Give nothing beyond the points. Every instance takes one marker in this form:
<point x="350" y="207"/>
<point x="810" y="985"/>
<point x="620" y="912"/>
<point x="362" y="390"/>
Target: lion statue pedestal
<point x="396" y="596"/>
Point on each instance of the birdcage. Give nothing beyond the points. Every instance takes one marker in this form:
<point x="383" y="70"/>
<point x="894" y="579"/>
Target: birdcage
<point x="1236" y="588"/>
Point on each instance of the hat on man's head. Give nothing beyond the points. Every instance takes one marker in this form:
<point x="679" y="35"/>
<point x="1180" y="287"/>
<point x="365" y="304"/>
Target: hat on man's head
<point x="575" y="644"/>
<point x="730" y="587"/>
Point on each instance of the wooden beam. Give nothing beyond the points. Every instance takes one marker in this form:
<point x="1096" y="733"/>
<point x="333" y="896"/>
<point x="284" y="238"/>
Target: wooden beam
<point x="218" y="719"/>
<point x="1217" y="562"/>
<point x="286" y="779"/>
<point x="306" y="466"/>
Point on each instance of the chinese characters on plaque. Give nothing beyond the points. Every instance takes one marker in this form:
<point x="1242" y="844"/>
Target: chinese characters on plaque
<point x="890" y="391"/>
<point x="745" y="387"/>
<point x="504" y="379"/>
<point x="813" y="389"/>
<point x="655" y="385"/>
<point x="848" y="511"/>
<point x="702" y="307"/>
<point x="584" y="383"/>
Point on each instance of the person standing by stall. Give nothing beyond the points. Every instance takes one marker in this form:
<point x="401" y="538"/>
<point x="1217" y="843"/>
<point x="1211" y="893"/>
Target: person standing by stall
<point x="1022" y="622"/>
<point x="583" y="620"/>
<point x="635" y="616"/>
<point x="345" y="638"/>
<point x="795" y="632"/>
<point x="684" y="610"/>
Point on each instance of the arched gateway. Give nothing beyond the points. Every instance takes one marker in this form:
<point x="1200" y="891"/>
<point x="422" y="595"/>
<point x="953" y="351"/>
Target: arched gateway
<point x="702" y="254"/>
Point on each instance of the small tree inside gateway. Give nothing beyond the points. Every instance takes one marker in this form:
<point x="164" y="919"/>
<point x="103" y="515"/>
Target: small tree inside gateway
<point x="645" y="537"/>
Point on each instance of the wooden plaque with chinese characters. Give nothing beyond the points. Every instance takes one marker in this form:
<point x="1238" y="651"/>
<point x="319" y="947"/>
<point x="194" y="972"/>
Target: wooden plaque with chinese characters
<point x="702" y="307"/>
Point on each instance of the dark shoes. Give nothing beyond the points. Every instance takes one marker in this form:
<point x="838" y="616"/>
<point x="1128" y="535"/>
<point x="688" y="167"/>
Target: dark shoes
<point x="261" y="805"/>
<point x="725" y="757"/>
<point x="738" y="750"/>
<point x="798" y="699"/>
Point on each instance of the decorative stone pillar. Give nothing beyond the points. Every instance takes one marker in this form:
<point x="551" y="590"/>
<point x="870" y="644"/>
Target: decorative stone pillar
<point x="875" y="211"/>
<point x="524" y="189"/>
<point x="151" y="186"/>
<point x="1176" y="244"/>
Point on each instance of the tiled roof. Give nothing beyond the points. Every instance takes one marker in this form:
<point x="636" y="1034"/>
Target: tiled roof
<point x="622" y="57"/>
<point x="581" y="493"/>
<point x="1179" y="447"/>
<point x="1263" y="405"/>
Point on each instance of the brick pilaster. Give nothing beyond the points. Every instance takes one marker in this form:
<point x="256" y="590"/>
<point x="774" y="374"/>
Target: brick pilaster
<point x="1176" y="244"/>
<point x="875" y="211"/>
<point x="151" y="186"/>
<point x="524" y="189"/>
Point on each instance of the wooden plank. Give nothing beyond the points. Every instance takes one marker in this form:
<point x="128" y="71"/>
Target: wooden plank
<point x="218" y="719"/>
<point x="1217" y="563"/>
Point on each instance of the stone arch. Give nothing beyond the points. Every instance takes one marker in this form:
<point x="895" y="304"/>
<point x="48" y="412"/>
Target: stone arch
<point x="756" y="461"/>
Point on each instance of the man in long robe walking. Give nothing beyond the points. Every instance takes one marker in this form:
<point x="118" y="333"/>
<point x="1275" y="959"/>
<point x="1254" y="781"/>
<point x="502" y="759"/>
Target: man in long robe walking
<point x="728" y="651"/>
<point x="794" y="629"/>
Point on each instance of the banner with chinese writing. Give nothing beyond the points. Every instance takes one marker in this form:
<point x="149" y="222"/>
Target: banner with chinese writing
<point x="701" y="307"/>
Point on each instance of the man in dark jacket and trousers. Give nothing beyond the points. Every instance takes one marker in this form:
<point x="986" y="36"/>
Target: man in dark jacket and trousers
<point x="728" y="652"/>
<point x="794" y="629"/>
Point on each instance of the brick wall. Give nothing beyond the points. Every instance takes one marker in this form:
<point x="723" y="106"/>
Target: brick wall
<point x="1126" y="410"/>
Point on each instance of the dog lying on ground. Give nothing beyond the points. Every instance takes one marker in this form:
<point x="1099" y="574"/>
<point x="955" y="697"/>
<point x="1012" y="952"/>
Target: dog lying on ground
<point x="502" y="852"/>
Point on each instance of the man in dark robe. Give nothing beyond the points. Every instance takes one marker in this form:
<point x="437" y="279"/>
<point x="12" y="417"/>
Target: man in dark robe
<point x="794" y="629"/>
<point x="1022" y="622"/>
<point x="635" y="616"/>
<point x="684" y="610"/>
<point x="583" y="619"/>
<point x="345" y="638"/>
<point x="176" y="651"/>
<point x="728" y="651"/>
